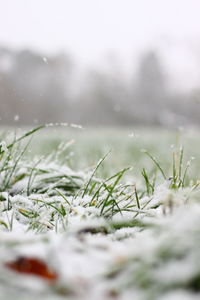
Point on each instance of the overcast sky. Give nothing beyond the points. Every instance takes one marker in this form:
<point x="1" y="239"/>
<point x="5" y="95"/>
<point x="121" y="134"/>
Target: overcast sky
<point x="88" y="29"/>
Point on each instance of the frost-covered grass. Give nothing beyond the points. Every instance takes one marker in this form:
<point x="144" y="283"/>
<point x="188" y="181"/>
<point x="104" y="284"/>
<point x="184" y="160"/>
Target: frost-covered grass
<point x="107" y="233"/>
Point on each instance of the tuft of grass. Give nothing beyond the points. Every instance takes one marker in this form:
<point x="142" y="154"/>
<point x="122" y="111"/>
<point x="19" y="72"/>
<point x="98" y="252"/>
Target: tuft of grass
<point x="93" y="173"/>
<point x="179" y="173"/>
<point x="49" y="186"/>
<point x="158" y="165"/>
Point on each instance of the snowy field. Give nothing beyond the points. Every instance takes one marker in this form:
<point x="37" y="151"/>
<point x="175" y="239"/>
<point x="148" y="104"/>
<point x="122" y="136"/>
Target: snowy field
<point x="99" y="214"/>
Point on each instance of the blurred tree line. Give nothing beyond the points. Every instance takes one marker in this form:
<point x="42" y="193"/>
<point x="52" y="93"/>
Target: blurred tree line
<point x="40" y="89"/>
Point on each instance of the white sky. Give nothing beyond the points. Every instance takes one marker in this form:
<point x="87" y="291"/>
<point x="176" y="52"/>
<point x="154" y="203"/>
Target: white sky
<point x="87" y="29"/>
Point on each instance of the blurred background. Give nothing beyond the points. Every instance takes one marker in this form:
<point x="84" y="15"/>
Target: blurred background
<point x="100" y="63"/>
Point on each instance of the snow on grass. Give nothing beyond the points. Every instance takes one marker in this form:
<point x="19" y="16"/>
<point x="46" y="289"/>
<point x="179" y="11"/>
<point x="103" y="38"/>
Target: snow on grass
<point x="102" y="238"/>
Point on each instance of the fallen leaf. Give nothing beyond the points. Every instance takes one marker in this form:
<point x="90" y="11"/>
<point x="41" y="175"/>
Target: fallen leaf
<point x="32" y="266"/>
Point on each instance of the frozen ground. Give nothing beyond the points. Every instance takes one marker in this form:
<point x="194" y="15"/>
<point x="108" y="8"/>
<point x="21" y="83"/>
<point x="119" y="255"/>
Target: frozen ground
<point x="97" y="238"/>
